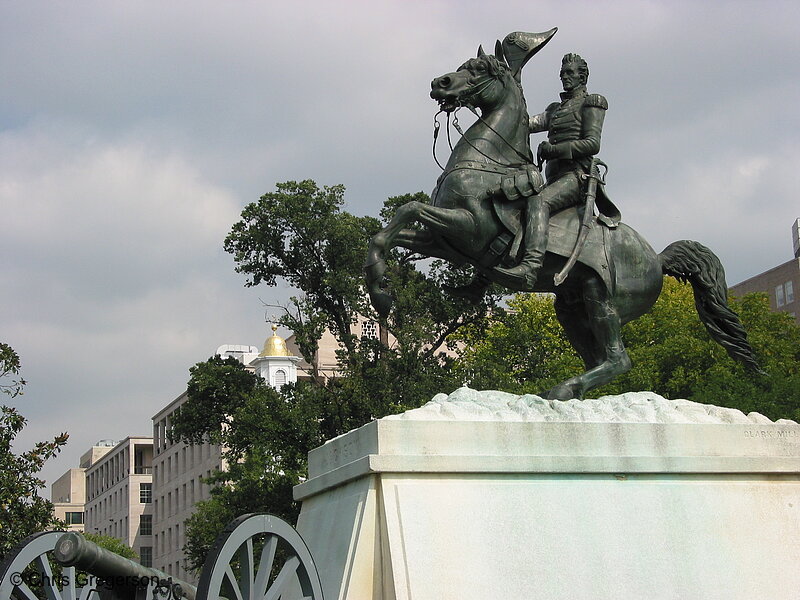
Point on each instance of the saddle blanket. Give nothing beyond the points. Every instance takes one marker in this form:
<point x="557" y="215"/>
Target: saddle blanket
<point x="564" y="227"/>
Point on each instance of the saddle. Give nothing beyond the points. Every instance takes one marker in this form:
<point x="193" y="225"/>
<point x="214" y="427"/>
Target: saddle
<point x="563" y="233"/>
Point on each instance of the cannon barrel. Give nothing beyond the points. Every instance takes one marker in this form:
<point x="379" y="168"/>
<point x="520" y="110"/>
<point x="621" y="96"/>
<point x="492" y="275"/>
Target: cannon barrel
<point x="74" y="550"/>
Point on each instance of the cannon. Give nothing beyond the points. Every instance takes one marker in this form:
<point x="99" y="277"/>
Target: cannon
<point x="257" y="556"/>
<point x="31" y="571"/>
<point x="123" y="577"/>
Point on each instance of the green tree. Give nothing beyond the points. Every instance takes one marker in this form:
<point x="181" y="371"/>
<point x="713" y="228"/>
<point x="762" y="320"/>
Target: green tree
<point x="22" y="511"/>
<point x="300" y="235"/>
<point x="9" y="368"/>
<point x="523" y="351"/>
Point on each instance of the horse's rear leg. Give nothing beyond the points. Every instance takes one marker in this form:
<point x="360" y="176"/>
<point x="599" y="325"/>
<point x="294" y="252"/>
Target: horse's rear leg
<point x="571" y="313"/>
<point x="602" y="344"/>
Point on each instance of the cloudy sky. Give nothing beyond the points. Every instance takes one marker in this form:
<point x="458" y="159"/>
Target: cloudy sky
<point x="133" y="133"/>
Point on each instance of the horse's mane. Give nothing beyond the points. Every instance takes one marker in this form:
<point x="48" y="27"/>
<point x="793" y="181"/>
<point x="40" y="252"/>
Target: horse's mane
<point x="496" y="68"/>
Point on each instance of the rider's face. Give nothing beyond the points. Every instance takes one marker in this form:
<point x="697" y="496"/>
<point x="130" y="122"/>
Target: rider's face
<point x="570" y="77"/>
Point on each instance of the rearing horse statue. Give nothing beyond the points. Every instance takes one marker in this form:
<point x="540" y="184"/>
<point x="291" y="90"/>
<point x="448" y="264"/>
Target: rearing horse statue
<point x="617" y="277"/>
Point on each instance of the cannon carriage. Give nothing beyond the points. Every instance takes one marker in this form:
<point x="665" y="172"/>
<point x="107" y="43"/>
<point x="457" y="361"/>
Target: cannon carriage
<point x="257" y="556"/>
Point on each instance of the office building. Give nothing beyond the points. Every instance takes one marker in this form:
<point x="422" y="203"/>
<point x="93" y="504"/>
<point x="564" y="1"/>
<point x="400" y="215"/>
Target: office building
<point x="119" y="495"/>
<point x="68" y="492"/>
<point x="178" y="484"/>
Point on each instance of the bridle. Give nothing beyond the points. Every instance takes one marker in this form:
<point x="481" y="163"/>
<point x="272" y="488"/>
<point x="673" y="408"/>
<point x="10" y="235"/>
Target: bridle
<point x="463" y="100"/>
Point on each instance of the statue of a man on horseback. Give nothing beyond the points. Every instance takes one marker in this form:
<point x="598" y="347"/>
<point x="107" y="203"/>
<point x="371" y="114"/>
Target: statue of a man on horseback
<point x="574" y="127"/>
<point x="490" y="201"/>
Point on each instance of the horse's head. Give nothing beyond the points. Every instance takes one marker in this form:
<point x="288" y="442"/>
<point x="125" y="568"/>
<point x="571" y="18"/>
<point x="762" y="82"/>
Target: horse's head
<point x="485" y="80"/>
<point x="478" y="82"/>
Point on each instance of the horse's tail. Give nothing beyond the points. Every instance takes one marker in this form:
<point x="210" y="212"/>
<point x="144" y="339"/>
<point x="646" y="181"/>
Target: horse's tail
<point x="693" y="262"/>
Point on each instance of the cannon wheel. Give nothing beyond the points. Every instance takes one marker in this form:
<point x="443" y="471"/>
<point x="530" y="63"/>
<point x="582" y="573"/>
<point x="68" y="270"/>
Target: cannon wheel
<point x="238" y="545"/>
<point x="33" y="551"/>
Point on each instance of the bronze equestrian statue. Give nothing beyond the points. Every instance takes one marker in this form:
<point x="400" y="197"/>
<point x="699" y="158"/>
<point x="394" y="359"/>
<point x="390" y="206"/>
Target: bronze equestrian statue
<point x="491" y="209"/>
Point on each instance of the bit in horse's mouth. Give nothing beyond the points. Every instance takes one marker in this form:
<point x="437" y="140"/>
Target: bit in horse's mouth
<point x="448" y="105"/>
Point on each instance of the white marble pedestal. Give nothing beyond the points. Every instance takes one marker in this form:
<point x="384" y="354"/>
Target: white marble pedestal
<point x="490" y="496"/>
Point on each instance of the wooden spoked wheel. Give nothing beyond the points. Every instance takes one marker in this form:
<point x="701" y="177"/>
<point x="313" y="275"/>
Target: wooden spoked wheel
<point x="259" y="557"/>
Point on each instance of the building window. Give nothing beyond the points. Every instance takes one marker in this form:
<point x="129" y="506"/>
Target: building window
<point x="74" y="518"/>
<point x="145" y="493"/>
<point x="146" y="525"/>
<point x="280" y="378"/>
<point x="146" y="556"/>
<point x="784" y="294"/>
<point x="369" y="330"/>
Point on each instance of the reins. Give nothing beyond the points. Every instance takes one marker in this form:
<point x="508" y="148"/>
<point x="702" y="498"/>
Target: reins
<point x="472" y="91"/>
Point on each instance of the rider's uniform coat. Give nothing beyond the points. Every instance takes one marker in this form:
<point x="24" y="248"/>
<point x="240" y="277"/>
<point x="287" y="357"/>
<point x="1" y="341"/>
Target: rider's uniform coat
<point x="574" y="127"/>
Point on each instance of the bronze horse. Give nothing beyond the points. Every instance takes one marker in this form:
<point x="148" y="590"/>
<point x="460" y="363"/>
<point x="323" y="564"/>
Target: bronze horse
<point x="618" y="276"/>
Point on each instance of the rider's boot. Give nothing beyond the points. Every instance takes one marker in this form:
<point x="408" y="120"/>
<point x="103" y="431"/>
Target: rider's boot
<point x="536" y="230"/>
<point x="473" y="291"/>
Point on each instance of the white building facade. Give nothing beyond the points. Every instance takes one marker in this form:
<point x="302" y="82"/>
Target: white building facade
<point x="119" y="495"/>
<point x="68" y="495"/>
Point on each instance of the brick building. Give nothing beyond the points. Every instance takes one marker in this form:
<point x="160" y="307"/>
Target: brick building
<point x="781" y="283"/>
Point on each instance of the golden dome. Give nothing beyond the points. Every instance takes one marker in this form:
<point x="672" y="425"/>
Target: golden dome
<point x="275" y="345"/>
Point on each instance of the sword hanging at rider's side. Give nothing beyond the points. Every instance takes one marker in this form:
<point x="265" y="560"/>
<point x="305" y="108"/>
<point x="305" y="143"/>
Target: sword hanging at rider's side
<point x="593" y="178"/>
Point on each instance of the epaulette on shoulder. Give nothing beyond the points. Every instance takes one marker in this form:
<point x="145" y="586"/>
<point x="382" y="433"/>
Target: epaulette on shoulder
<point x="596" y="101"/>
<point x="552" y="106"/>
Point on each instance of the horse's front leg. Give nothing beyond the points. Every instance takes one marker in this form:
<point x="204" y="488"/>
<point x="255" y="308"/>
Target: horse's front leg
<point x="379" y="245"/>
<point x="455" y="222"/>
<point x="424" y="242"/>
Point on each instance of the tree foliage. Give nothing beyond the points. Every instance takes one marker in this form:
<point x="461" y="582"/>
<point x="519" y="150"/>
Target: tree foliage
<point x="9" y="367"/>
<point x="22" y="511"/>
<point x="299" y="234"/>
<point x="523" y="351"/>
<point x="217" y="388"/>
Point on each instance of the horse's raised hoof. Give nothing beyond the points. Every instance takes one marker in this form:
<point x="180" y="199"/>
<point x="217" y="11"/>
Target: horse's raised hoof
<point x="382" y="302"/>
